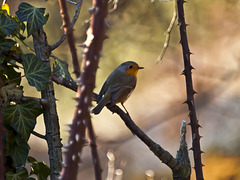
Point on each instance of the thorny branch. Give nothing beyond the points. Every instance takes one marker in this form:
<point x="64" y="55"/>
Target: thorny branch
<point x="50" y="111"/>
<point x="190" y="92"/>
<point x="69" y="33"/>
<point x="74" y="20"/>
<point x="92" y="50"/>
<point x="77" y="140"/>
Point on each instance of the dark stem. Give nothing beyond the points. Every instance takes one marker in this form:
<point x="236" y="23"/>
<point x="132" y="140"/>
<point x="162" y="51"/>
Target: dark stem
<point x="76" y="142"/>
<point x="93" y="145"/>
<point x="190" y="92"/>
<point x="95" y="37"/>
<point x="49" y="111"/>
<point x="39" y="135"/>
<point x="162" y="154"/>
<point x="71" y="40"/>
<point x="64" y="82"/>
<point x="74" y="20"/>
<point x="78" y="127"/>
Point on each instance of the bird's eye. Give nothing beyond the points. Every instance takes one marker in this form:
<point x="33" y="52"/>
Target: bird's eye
<point x="130" y="67"/>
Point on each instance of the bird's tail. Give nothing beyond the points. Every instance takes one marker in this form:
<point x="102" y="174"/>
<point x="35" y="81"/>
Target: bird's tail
<point x="99" y="107"/>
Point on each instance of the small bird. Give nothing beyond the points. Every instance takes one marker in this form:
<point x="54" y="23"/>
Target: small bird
<point x="118" y="86"/>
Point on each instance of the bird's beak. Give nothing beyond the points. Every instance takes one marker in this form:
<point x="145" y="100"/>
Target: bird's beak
<point x="140" y="67"/>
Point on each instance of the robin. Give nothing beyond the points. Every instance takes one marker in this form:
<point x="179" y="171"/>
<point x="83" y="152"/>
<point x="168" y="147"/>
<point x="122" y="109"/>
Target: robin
<point x="118" y="86"/>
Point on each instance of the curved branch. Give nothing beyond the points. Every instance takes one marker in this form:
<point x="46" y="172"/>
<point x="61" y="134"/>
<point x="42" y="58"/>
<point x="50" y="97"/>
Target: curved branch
<point x="162" y="154"/>
<point x="74" y="20"/>
<point x="39" y="135"/>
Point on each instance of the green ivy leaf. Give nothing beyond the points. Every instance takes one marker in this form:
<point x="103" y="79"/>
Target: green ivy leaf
<point x="6" y="25"/>
<point x="22" y="117"/>
<point x="17" y="149"/>
<point x="20" y="174"/>
<point x="34" y="17"/>
<point x="37" y="73"/>
<point x="41" y="170"/>
<point x="31" y="159"/>
<point x="6" y="45"/>
<point x="61" y="68"/>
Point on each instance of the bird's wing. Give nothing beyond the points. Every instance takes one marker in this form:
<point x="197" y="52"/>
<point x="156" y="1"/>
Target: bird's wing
<point x="102" y="91"/>
<point x="120" y="94"/>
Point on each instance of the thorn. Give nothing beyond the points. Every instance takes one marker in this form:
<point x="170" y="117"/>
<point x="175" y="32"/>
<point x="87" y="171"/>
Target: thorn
<point x="185" y="2"/>
<point x="203" y="165"/>
<point x="186" y="25"/>
<point x="200" y="137"/>
<point x="189" y="124"/>
<point x="106" y="37"/>
<point x="69" y="125"/>
<point x="185" y="102"/>
<point x="191" y="149"/>
<point x="195" y="92"/>
<point x="199" y="126"/>
<point x="183" y="72"/>
<point x="93" y="10"/>
<point x="189" y="53"/>
<point x="191" y="67"/>
<point x="202" y="152"/>
<point x="76" y="99"/>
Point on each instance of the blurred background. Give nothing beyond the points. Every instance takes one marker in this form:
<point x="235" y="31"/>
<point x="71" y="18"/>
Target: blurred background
<point x="137" y="33"/>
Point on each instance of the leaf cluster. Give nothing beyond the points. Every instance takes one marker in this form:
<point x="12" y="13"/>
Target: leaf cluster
<point x="19" y="116"/>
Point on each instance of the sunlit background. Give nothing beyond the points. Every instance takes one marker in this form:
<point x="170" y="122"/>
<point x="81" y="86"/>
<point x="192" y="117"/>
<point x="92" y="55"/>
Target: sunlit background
<point x="137" y="33"/>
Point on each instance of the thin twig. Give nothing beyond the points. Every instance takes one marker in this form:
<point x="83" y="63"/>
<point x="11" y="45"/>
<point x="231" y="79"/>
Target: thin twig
<point x="41" y="101"/>
<point x="74" y="20"/>
<point x="25" y="44"/>
<point x="168" y="34"/>
<point x="39" y="135"/>
<point x="70" y="37"/>
<point x="71" y="2"/>
<point x="115" y="5"/>
<point x="64" y="82"/>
